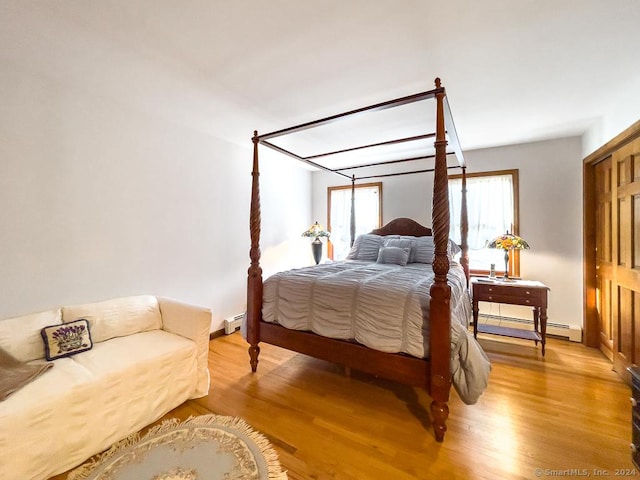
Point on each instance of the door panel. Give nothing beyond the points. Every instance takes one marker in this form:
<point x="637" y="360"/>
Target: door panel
<point x="636" y="230"/>
<point x="611" y="180"/>
<point x="626" y="272"/>
<point x="604" y="267"/>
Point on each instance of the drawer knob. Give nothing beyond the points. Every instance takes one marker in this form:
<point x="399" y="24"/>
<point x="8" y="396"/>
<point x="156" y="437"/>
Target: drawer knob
<point x="490" y="289"/>
<point x="633" y="447"/>
<point x="490" y="297"/>
<point x="528" y="292"/>
<point x="528" y="301"/>
<point x="634" y="402"/>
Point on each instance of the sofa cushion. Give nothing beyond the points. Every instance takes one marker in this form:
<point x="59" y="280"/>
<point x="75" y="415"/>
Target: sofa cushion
<point x="20" y="336"/>
<point x="118" y="317"/>
<point x="34" y="419"/>
<point x="91" y="400"/>
<point x="66" y="339"/>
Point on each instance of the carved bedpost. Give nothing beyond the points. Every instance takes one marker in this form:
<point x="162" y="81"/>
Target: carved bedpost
<point x="352" y="224"/>
<point x="464" y="227"/>
<point x="254" y="280"/>
<point x="440" y="320"/>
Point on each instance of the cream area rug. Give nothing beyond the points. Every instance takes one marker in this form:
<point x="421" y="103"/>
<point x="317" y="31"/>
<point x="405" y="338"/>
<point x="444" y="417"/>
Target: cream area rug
<point x="207" y="447"/>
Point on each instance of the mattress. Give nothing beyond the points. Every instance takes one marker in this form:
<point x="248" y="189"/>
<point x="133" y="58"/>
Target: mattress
<point x="382" y="306"/>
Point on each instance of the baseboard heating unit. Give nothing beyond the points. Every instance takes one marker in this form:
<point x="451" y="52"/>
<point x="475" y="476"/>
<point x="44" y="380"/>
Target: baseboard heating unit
<point x="570" y="332"/>
<point x="232" y="324"/>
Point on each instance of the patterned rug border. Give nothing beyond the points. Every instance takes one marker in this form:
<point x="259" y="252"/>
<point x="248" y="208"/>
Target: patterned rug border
<point x="270" y="455"/>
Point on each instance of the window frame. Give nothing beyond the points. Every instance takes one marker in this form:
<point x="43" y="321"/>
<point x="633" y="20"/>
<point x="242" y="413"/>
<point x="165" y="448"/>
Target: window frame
<point x="345" y="187"/>
<point x="514" y="255"/>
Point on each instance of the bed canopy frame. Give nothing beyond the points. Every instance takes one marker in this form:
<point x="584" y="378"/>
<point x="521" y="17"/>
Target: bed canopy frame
<point x="433" y="373"/>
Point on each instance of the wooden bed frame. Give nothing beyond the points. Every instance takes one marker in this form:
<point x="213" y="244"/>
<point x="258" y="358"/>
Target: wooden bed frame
<point x="433" y="373"/>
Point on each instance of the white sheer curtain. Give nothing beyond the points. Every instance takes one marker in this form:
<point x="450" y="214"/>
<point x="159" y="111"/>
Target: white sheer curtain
<point x="367" y="204"/>
<point x="490" y="205"/>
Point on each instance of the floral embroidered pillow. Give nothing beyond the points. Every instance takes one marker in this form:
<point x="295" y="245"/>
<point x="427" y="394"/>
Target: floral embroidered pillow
<point x="66" y="339"/>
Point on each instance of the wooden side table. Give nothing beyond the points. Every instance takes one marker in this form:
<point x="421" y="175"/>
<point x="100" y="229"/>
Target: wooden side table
<point x="512" y="292"/>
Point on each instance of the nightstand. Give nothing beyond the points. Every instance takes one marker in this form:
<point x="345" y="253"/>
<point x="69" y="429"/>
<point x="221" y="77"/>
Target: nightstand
<point x="512" y="292"/>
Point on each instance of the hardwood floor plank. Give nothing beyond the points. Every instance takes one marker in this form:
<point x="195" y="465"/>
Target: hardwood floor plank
<point x="566" y="411"/>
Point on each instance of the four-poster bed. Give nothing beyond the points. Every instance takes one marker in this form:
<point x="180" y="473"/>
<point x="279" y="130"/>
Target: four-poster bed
<point x="434" y="370"/>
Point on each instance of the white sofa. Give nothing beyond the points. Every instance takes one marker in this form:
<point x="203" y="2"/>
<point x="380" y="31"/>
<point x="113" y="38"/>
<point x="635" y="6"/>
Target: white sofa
<point x="149" y="355"/>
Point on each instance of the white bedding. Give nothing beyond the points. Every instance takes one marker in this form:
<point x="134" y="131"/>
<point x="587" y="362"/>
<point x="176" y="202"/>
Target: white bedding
<point x="381" y="306"/>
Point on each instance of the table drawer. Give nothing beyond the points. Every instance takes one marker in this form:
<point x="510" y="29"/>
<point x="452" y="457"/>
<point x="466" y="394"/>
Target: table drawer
<point x="510" y="299"/>
<point x="510" y="294"/>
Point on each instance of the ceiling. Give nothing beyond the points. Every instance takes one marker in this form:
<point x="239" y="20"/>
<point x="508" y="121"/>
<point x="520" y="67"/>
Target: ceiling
<point x="515" y="70"/>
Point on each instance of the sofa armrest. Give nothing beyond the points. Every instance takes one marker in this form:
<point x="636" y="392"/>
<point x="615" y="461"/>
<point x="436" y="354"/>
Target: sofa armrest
<point x="192" y="322"/>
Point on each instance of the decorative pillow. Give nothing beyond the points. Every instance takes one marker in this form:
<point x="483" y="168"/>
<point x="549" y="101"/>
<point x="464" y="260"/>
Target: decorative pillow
<point x="403" y="242"/>
<point x="66" y="339"/>
<point x="394" y="255"/>
<point x="366" y="247"/>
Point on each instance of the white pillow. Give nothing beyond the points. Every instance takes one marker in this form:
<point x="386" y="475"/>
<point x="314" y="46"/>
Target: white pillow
<point x="118" y="317"/>
<point x="393" y="255"/>
<point x="20" y="336"/>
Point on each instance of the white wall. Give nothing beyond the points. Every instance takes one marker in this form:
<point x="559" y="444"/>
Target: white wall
<point x="622" y="112"/>
<point x="130" y="179"/>
<point x="550" y="179"/>
<point x="550" y="175"/>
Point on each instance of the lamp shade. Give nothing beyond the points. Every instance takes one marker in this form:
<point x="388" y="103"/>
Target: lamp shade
<point x="316" y="230"/>
<point x="508" y="241"/>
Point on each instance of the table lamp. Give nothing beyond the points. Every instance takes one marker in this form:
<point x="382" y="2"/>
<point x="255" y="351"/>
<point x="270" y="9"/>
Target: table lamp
<point x="316" y="231"/>
<point x="508" y="241"/>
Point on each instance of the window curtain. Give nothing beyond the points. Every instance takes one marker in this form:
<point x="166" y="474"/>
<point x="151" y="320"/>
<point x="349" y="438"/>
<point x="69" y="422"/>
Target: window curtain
<point x="490" y="211"/>
<point x="367" y="202"/>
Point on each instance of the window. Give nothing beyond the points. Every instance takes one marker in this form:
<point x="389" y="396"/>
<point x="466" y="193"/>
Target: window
<point x="368" y="213"/>
<point x="492" y="205"/>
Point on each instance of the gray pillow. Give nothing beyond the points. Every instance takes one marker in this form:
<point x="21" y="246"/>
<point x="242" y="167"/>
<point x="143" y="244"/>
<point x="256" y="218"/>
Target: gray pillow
<point x="403" y="242"/>
<point x="393" y="255"/>
<point x="366" y="247"/>
<point x="423" y="250"/>
<point x="454" y="249"/>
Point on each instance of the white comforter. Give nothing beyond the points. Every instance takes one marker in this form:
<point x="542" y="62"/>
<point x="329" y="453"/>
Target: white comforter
<point x="381" y="306"/>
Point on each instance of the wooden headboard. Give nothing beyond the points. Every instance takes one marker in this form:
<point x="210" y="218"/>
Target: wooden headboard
<point x="403" y="226"/>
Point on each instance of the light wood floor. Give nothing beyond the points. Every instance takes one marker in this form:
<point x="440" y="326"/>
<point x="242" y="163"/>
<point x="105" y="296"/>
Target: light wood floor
<point x="568" y="411"/>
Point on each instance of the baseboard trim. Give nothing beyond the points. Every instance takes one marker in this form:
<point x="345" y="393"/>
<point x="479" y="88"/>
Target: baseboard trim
<point x="216" y="334"/>
<point x="570" y="332"/>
